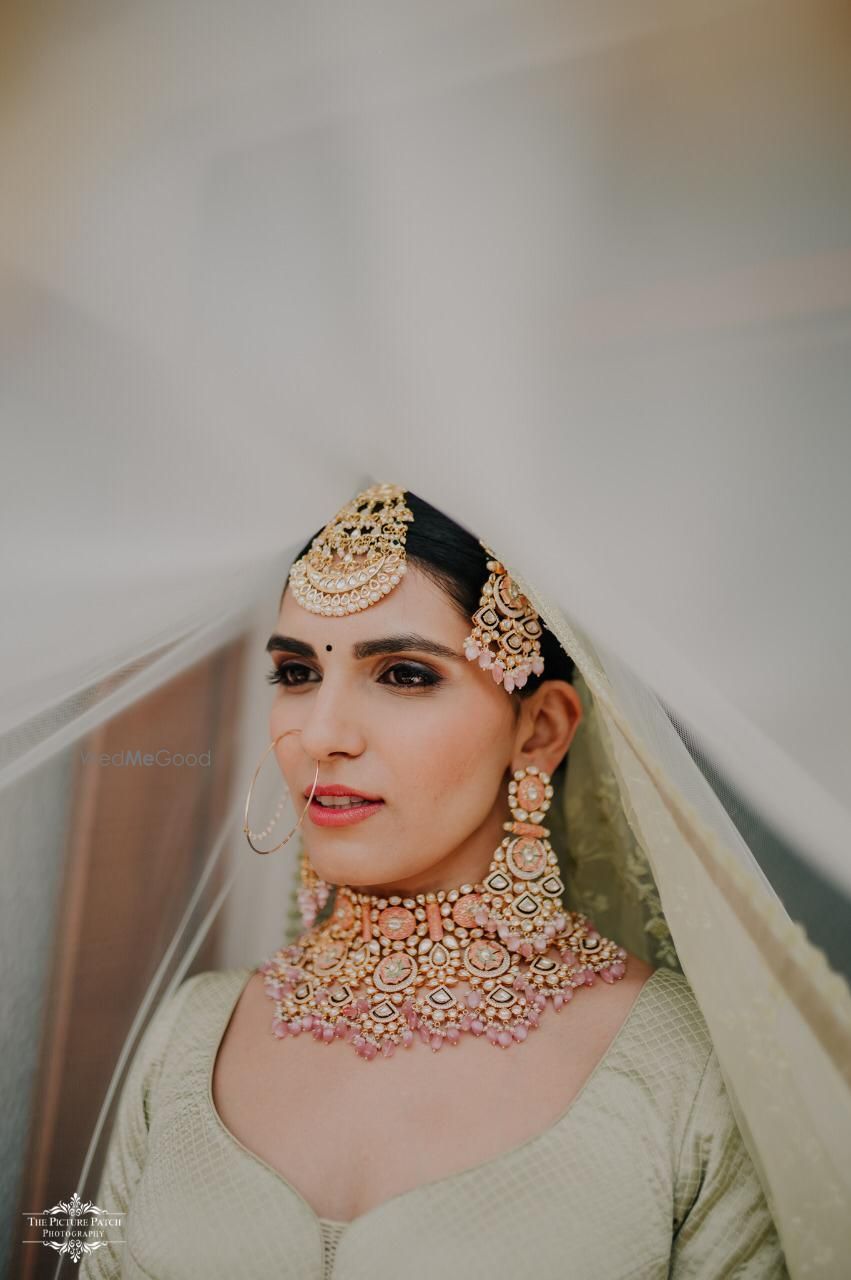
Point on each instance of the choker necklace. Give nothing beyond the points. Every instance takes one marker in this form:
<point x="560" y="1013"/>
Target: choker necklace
<point x="482" y="958"/>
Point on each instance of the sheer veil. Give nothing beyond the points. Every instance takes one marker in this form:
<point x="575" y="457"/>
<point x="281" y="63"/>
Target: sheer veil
<point x="534" y="264"/>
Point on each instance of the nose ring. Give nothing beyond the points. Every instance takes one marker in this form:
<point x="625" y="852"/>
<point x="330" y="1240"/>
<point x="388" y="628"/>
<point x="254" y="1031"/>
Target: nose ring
<point x="250" y="835"/>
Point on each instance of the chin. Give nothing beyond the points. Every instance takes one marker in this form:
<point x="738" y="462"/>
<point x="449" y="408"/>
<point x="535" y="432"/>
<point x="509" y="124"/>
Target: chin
<point x="356" y="872"/>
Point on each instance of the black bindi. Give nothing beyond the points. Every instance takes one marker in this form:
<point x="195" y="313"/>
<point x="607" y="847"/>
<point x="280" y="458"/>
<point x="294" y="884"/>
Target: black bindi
<point x="329" y="647"/>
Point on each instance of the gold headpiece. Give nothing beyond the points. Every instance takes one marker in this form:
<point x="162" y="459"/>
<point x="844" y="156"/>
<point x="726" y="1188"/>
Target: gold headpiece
<point x="506" y="635"/>
<point x="358" y="557"/>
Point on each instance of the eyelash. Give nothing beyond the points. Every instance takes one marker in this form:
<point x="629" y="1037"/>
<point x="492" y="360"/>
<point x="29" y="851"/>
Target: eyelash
<point x="429" y="678"/>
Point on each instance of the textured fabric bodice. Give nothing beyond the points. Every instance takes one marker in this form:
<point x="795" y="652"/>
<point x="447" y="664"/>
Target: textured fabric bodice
<point x="645" y="1174"/>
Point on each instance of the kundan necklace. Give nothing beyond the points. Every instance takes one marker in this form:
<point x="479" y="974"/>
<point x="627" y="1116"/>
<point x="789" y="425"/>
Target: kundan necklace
<point x="482" y="958"/>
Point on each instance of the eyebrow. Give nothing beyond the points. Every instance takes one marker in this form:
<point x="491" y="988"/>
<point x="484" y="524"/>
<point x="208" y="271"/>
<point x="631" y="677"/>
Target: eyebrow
<point x="403" y="643"/>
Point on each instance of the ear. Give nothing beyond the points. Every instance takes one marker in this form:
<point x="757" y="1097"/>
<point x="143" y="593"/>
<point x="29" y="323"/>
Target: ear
<point x="548" y="720"/>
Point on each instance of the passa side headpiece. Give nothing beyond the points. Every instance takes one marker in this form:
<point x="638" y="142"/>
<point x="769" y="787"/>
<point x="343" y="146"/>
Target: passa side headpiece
<point x="506" y="635"/>
<point x="360" y="556"/>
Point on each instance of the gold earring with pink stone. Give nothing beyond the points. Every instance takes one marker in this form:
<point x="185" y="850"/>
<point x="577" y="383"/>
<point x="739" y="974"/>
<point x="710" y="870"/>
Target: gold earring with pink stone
<point x="530" y="794"/>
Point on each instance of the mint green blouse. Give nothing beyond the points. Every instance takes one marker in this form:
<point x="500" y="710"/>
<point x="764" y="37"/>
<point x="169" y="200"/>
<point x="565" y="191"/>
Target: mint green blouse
<point x="644" y="1175"/>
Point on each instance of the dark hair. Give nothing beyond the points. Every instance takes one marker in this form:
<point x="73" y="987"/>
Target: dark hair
<point x="455" y="560"/>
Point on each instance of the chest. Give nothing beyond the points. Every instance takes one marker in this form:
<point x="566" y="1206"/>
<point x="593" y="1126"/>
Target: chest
<point x="350" y="1135"/>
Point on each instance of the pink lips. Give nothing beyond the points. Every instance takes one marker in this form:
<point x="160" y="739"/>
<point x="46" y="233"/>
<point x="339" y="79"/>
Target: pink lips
<point x="329" y="817"/>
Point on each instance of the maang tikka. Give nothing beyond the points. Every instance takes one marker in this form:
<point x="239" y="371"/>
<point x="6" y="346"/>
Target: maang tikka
<point x="358" y="558"/>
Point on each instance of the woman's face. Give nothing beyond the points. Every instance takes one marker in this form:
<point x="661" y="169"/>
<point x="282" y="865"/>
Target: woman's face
<point x="421" y="728"/>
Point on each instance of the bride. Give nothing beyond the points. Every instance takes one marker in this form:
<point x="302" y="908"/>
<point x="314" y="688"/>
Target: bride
<point x="450" y="1069"/>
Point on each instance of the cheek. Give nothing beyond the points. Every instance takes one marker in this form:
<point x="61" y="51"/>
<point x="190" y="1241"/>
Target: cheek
<point x="454" y="763"/>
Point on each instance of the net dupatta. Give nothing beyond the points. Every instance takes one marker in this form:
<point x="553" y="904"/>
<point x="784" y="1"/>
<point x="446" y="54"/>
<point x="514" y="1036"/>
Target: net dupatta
<point x="651" y="854"/>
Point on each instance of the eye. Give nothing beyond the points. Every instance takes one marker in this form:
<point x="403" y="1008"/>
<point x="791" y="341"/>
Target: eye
<point x="412" y="676"/>
<point x="281" y="674"/>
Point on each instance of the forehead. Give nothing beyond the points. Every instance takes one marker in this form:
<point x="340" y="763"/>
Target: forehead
<point x="415" y="603"/>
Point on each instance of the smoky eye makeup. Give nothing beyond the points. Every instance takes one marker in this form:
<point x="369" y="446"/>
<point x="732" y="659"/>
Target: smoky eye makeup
<point x="412" y="675"/>
<point x="401" y="675"/>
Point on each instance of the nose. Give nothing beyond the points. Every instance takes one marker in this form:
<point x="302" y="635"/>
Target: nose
<point x="331" y="729"/>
